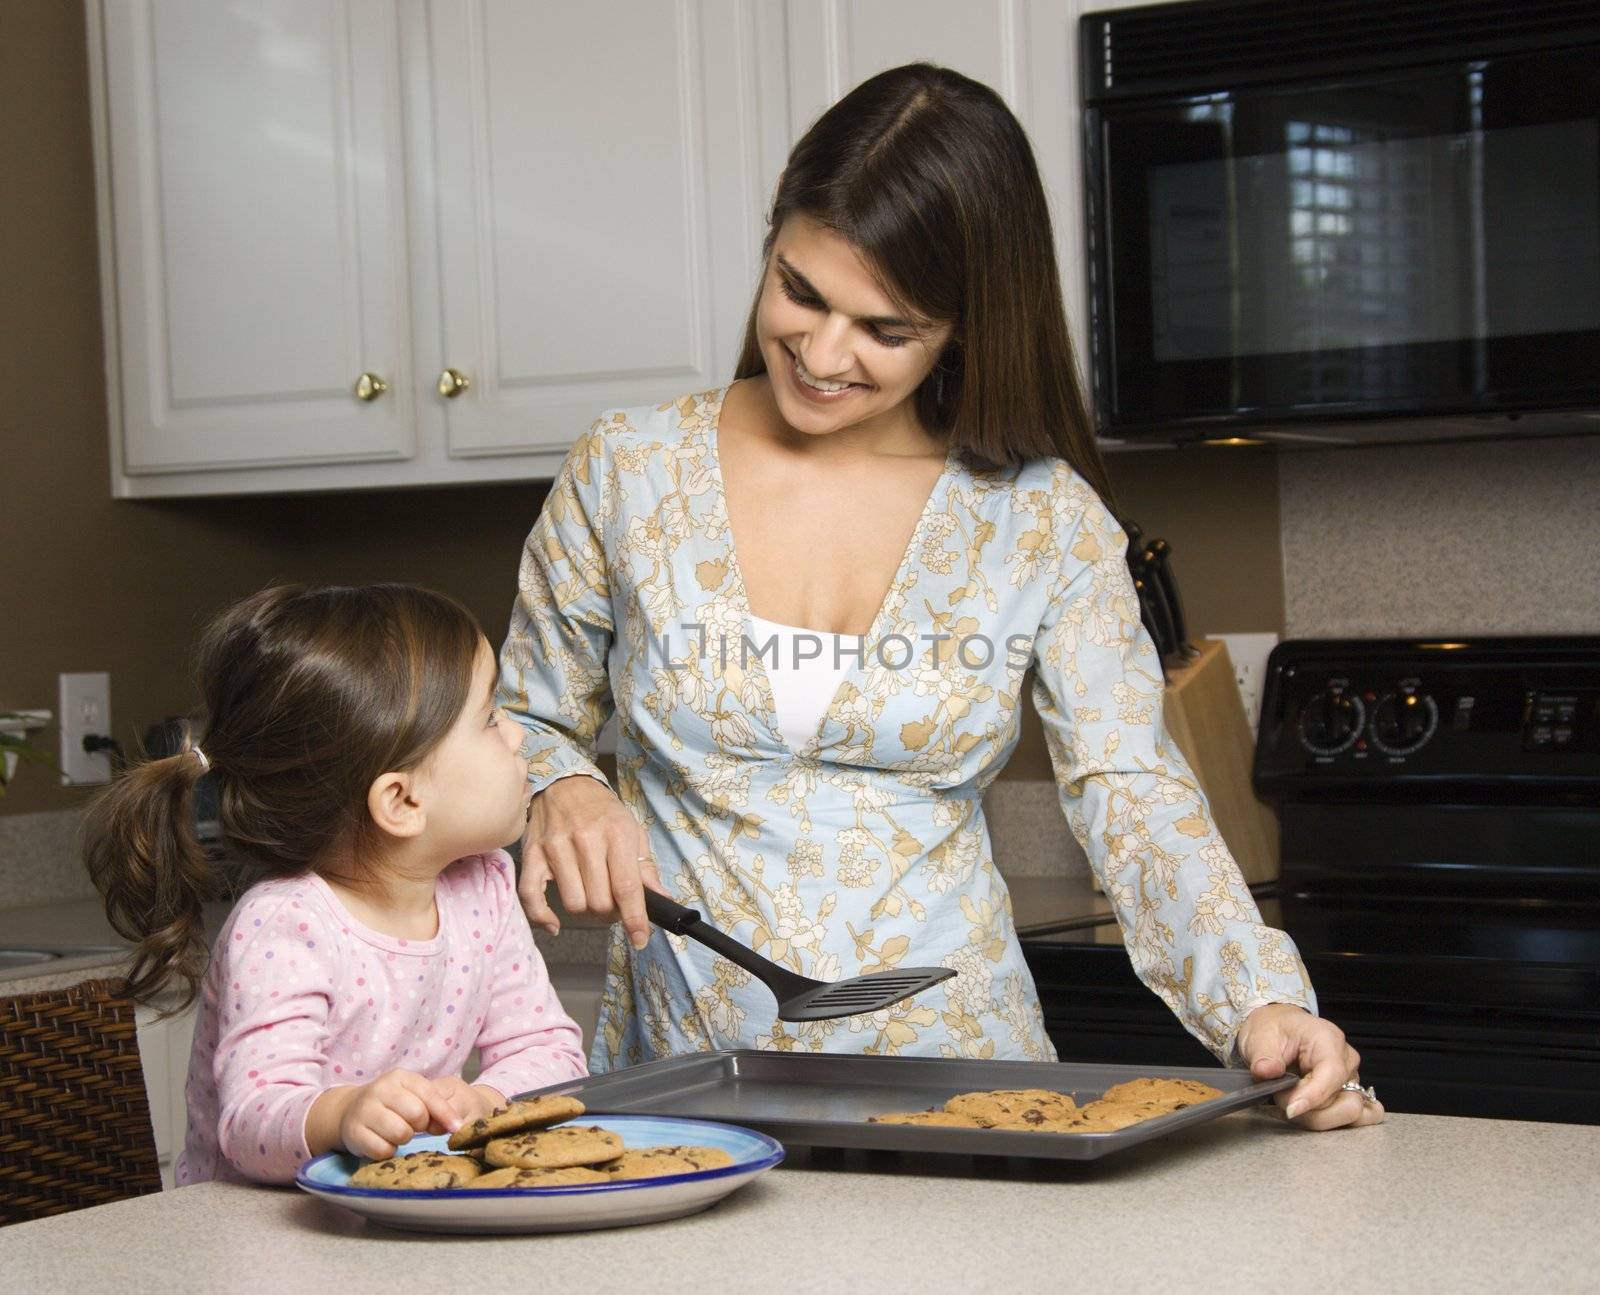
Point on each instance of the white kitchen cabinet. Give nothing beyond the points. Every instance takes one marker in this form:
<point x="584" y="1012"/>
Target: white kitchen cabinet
<point x="491" y="218"/>
<point x="164" y="1055"/>
<point x="601" y="176"/>
<point x="257" y="234"/>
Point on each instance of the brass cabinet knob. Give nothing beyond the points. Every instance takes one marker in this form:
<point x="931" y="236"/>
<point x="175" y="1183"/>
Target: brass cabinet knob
<point x="369" y="386"/>
<point x="452" y="382"/>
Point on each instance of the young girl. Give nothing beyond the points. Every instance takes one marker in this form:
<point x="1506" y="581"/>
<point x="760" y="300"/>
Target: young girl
<point x="362" y="764"/>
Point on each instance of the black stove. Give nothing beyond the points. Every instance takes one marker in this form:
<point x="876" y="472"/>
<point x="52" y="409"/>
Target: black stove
<point x="1439" y="814"/>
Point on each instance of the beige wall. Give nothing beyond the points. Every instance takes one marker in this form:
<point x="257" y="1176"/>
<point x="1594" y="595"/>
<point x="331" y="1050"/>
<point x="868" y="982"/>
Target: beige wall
<point x="89" y="583"/>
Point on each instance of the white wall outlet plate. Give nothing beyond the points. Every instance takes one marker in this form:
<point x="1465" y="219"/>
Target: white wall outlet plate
<point x="1248" y="653"/>
<point x="85" y="709"/>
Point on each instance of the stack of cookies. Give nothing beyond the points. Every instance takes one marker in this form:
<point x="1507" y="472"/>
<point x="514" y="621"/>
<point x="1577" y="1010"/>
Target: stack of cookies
<point x="1043" y="1110"/>
<point x="528" y="1144"/>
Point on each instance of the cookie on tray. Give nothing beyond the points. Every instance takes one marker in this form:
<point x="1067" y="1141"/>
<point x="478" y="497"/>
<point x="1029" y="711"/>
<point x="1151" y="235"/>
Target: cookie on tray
<point x="1174" y="1094"/>
<point x="1131" y="1112"/>
<point x="514" y="1176"/>
<point x="515" y="1117"/>
<point x="570" y="1144"/>
<point x="1100" y="1117"/>
<point x="1075" y="1125"/>
<point x="1010" y="1105"/>
<point x="418" y="1171"/>
<point x="660" y="1162"/>
<point x="943" y="1119"/>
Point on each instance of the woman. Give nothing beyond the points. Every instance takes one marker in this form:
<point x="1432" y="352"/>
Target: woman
<point x="811" y="598"/>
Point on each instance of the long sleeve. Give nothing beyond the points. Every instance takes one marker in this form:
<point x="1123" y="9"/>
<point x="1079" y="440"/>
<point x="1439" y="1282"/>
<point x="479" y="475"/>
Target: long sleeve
<point x="527" y="1040"/>
<point x="1191" y="928"/>
<point x="270" y="1063"/>
<point x="553" y="665"/>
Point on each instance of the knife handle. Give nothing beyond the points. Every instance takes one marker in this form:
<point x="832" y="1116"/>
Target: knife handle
<point x="1161" y="553"/>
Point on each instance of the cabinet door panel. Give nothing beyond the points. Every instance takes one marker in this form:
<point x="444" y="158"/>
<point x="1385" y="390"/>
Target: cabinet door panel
<point x="599" y="195"/>
<point x="257" y="206"/>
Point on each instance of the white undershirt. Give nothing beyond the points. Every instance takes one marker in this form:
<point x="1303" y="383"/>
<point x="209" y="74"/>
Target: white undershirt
<point x="802" y="691"/>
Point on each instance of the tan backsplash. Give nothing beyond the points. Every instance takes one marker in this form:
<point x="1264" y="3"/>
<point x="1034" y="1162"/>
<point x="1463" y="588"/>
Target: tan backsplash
<point x="1476" y="538"/>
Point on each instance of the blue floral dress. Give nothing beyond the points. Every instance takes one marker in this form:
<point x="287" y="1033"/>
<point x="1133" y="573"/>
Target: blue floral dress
<point x="866" y="847"/>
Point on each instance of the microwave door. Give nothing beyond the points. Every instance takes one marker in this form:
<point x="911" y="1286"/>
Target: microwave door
<point x="1426" y="241"/>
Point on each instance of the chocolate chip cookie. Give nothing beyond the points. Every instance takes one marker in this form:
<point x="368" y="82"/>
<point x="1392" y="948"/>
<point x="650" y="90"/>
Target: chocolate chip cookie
<point x="419" y="1171"/>
<point x="943" y="1119"/>
<point x="515" y="1176"/>
<point x="515" y="1117"/>
<point x="1012" y="1105"/>
<point x="660" y="1162"/>
<point x="1172" y="1094"/>
<point x="570" y="1144"/>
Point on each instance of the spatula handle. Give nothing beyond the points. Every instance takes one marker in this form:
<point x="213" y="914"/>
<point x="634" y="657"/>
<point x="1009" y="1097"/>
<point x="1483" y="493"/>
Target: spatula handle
<point x="668" y="914"/>
<point x="674" y="917"/>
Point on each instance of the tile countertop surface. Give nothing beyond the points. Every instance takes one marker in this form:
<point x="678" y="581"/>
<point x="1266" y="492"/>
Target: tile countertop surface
<point x="82" y="923"/>
<point x="1420" y="1203"/>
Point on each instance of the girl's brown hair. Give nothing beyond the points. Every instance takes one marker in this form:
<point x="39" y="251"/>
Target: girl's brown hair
<point x="309" y="695"/>
<point x="929" y="175"/>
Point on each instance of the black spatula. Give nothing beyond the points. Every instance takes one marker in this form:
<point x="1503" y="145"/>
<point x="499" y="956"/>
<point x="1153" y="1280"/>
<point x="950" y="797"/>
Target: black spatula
<point x="799" y="997"/>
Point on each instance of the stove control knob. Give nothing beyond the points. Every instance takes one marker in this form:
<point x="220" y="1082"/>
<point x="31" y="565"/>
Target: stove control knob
<point x="1331" y="722"/>
<point x="1404" y="721"/>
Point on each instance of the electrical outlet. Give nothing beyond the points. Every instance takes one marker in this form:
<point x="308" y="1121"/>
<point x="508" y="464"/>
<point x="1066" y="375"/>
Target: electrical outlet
<point x="1248" y="653"/>
<point x="85" y="710"/>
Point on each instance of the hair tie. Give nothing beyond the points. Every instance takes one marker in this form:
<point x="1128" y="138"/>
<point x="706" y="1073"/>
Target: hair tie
<point x="205" y="764"/>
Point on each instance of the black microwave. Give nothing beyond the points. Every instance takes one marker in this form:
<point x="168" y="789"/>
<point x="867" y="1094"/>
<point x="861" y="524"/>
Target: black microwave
<point x="1349" y="220"/>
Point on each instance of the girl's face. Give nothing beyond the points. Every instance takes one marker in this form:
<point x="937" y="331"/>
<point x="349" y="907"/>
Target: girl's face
<point x="474" y="786"/>
<point x="839" y="353"/>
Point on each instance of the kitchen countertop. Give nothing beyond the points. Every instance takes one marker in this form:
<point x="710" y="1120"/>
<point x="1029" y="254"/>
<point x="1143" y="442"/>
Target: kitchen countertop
<point x="1419" y="1203"/>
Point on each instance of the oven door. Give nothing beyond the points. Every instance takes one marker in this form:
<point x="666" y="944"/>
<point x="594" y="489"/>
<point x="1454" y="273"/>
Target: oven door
<point x="1422" y="242"/>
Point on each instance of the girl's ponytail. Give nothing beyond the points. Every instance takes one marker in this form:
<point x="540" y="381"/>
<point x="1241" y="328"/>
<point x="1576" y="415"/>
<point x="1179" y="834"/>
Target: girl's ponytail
<point x="142" y="852"/>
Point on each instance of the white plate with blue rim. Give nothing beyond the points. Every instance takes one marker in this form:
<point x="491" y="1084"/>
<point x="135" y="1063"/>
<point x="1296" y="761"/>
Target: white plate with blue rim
<point x="556" y="1209"/>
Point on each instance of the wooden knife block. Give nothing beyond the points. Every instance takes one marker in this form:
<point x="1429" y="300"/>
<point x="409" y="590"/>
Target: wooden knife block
<point x="1205" y="716"/>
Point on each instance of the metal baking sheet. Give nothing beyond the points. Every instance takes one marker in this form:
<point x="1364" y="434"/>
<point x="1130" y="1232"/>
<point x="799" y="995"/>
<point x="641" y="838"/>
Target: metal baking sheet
<point x="811" y="1099"/>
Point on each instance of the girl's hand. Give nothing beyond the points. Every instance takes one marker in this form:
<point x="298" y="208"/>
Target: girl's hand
<point x="384" y="1115"/>
<point x="580" y="834"/>
<point x="1276" y="1036"/>
<point x="468" y="1101"/>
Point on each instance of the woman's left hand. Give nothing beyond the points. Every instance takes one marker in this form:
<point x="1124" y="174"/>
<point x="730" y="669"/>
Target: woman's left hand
<point x="1276" y="1036"/>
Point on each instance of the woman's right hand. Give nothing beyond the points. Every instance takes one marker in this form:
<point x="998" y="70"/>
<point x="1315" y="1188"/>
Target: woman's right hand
<point x="582" y="836"/>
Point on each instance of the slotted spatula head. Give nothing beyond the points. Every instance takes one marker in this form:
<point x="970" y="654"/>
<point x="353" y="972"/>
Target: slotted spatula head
<point x="799" y="997"/>
<point x="860" y="993"/>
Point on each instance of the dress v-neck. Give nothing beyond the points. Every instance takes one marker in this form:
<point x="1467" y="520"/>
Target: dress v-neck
<point x="869" y="640"/>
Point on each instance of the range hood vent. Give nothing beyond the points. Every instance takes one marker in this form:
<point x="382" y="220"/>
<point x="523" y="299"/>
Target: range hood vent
<point x="1176" y="48"/>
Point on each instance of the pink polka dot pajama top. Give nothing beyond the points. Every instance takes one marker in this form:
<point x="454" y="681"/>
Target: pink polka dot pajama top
<point x="301" y="997"/>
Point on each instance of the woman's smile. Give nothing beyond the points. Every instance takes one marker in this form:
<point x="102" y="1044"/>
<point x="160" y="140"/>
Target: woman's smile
<point x="817" y="389"/>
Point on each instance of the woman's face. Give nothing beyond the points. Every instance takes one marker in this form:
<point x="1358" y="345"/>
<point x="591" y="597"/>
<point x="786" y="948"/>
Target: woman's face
<point x="839" y="353"/>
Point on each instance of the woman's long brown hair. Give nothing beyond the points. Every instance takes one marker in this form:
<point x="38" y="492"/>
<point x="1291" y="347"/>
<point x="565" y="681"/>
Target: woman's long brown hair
<point x="309" y="694"/>
<point x="931" y="178"/>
